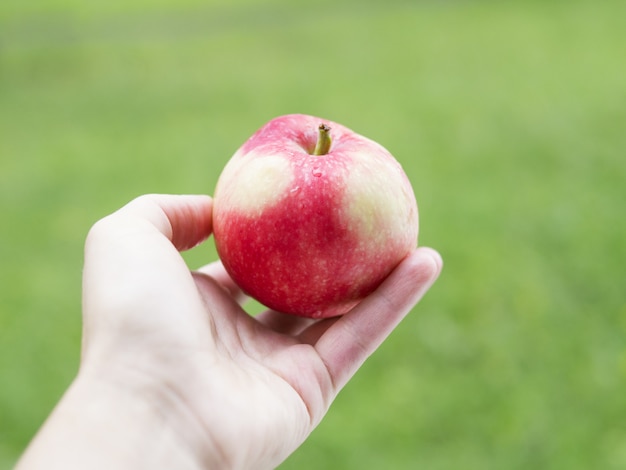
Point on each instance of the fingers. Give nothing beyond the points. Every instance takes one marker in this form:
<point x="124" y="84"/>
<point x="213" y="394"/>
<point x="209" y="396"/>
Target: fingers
<point x="132" y="264"/>
<point x="184" y="220"/>
<point x="347" y="343"/>
<point x="148" y="231"/>
<point x="143" y="238"/>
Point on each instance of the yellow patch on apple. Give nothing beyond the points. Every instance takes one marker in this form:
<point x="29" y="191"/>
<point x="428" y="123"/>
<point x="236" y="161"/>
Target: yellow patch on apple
<point x="253" y="183"/>
<point x="376" y="208"/>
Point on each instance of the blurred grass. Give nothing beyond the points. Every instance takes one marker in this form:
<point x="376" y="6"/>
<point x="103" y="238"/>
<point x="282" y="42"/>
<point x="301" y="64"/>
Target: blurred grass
<point x="509" y="119"/>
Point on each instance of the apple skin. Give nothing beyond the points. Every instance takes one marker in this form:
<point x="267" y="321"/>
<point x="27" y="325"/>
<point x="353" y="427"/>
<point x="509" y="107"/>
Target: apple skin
<point x="311" y="235"/>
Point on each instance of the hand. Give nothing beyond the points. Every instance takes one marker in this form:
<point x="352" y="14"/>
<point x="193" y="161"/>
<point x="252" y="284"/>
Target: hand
<point x="174" y="374"/>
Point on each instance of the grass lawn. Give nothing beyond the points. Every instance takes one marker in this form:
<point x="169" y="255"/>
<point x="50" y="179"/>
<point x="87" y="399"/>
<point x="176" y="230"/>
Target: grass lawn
<point x="510" y="120"/>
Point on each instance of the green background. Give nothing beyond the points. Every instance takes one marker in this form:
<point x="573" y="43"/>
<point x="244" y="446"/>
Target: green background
<point x="509" y="118"/>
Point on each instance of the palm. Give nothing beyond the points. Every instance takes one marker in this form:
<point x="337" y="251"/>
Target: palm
<point x="266" y="367"/>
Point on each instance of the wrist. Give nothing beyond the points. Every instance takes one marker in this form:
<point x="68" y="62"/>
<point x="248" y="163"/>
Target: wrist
<point x="104" y="422"/>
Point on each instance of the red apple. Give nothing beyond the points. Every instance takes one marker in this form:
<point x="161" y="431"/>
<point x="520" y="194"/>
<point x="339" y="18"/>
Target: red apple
<point x="310" y="217"/>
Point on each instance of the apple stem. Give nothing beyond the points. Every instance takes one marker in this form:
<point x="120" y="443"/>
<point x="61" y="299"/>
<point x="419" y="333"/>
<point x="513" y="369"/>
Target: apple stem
<point x="323" y="140"/>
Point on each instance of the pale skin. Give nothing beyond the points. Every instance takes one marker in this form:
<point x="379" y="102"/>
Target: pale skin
<point x="175" y="374"/>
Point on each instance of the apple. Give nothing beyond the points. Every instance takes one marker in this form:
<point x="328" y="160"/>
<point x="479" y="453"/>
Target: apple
<point x="309" y="217"/>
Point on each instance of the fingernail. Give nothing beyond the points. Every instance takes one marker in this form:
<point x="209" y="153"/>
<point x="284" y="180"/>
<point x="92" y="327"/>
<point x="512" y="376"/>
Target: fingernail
<point x="437" y="259"/>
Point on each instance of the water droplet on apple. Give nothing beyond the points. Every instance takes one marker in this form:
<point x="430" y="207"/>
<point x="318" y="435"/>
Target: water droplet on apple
<point x="317" y="314"/>
<point x="317" y="172"/>
<point x="294" y="189"/>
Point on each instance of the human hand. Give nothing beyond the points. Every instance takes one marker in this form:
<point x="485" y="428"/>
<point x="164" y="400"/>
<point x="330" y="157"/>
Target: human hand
<point x="175" y="374"/>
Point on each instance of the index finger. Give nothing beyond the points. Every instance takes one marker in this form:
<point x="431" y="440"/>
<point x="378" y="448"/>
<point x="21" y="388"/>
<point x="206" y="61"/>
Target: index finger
<point x="132" y="259"/>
